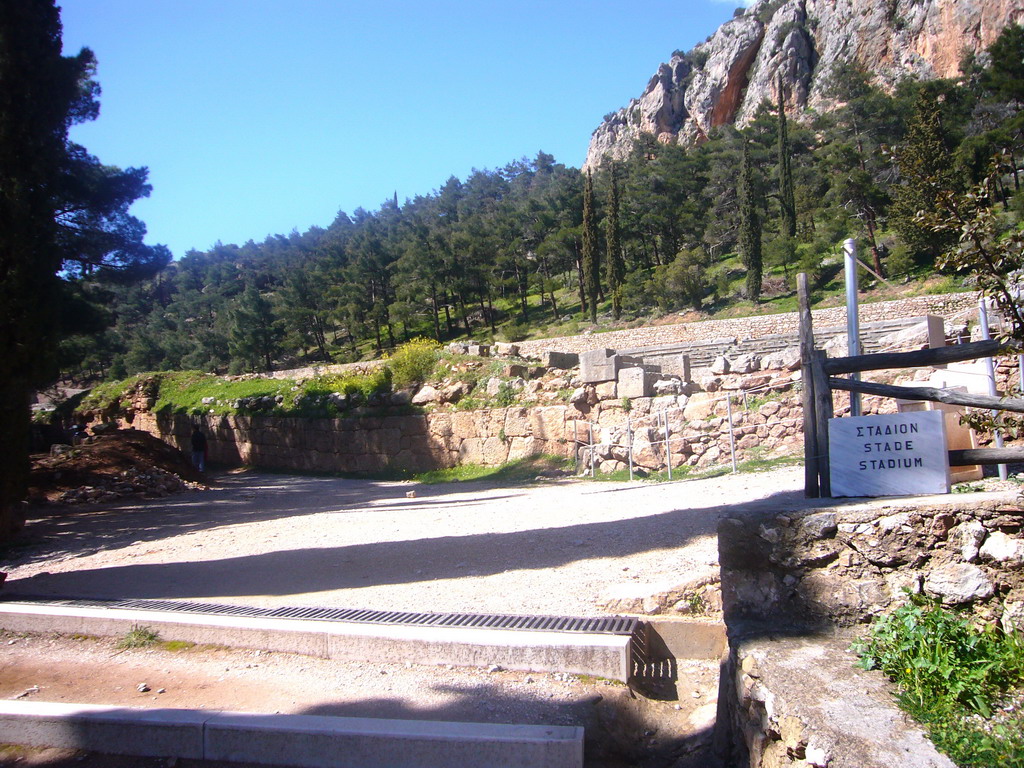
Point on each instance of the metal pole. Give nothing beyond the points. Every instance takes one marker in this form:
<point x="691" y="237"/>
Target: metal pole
<point x="629" y="451"/>
<point x="990" y="370"/>
<point x="593" y="469"/>
<point x="811" y="485"/>
<point x="852" y="320"/>
<point x="668" y="448"/>
<point x="732" y="438"/>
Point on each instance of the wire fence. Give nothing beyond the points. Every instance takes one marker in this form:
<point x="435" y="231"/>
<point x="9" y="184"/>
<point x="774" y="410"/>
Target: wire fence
<point x="586" y="448"/>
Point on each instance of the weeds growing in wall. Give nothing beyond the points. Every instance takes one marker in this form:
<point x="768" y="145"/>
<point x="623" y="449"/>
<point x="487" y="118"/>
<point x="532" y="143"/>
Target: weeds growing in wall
<point x="963" y="682"/>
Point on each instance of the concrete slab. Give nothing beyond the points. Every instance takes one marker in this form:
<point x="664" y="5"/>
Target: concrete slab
<point x="599" y="655"/>
<point x="683" y="638"/>
<point x="307" y="741"/>
<point x="145" y="733"/>
<point x="577" y="653"/>
<point x="332" y="742"/>
<point x="284" y="635"/>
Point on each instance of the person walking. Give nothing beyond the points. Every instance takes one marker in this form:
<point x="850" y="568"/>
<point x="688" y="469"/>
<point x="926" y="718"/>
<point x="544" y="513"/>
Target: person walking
<point x="198" y="448"/>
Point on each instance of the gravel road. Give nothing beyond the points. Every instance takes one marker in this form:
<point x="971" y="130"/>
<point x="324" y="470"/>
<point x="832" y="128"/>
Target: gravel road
<point x="562" y="547"/>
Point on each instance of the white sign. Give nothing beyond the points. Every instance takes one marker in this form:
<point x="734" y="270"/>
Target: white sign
<point x="903" y="454"/>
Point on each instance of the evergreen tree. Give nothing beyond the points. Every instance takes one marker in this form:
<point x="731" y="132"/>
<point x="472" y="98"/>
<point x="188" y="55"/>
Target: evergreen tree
<point x="926" y="173"/>
<point x="590" y="277"/>
<point x="615" y="263"/>
<point x="750" y="227"/>
<point x="62" y="214"/>
<point x="255" y="331"/>
<point x="1004" y="77"/>
<point x="787" y="197"/>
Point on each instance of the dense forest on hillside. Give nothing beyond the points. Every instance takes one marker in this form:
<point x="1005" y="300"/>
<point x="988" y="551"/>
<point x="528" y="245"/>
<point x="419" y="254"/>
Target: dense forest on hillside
<point x="540" y="248"/>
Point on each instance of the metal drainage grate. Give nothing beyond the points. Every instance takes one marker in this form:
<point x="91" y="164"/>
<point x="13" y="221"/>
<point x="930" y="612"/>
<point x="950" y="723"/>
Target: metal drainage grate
<point x="604" y="625"/>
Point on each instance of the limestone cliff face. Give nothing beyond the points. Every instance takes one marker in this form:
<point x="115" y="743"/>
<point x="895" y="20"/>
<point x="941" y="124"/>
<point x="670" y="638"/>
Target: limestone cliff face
<point x="726" y="78"/>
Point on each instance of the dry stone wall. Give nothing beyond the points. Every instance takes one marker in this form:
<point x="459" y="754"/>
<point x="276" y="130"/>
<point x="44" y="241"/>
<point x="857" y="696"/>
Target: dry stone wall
<point x="841" y="566"/>
<point x="697" y="425"/>
<point x="795" y="585"/>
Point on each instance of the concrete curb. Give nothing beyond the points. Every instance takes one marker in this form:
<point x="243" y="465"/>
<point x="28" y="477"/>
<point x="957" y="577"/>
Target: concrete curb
<point x="600" y="655"/>
<point x="307" y="741"/>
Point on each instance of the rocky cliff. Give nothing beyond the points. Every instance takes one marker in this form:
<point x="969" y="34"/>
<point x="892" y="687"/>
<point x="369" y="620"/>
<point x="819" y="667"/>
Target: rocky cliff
<point x="727" y="77"/>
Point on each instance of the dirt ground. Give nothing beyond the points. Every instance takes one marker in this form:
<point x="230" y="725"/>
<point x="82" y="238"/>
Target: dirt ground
<point x="562" y="547"/>
<point x="103" y="462"/>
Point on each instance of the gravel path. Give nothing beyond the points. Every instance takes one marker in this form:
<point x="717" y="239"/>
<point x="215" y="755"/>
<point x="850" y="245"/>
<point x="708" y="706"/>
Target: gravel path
<point x="562" y="547"/>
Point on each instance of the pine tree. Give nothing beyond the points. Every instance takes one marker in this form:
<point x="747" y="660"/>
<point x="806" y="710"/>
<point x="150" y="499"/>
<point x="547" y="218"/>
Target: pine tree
<point x="590" y="277"/>
<point x="926" y="174"/>
<point x="750" y="227"/>
<point x="62" y="215"/>
<point x="787" y="198"/>
<point x="1004" y="77"/>
<point x="615" y="264"/>
<point x="255" y="333"/>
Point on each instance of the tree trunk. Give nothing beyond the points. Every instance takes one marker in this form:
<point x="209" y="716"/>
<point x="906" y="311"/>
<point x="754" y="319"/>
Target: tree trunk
<point x="582" y="286"/>
<point x="465" y="314"/>
<point x="15" y="426"/>
<point x="434" y="313"/>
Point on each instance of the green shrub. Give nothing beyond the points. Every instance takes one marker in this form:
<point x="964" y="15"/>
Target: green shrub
<point x="951" y="676"/>
<point x="515" y="332"/>
<point x="506" y="395"/>
<point x="413" y="362"/>
<point x="899" y="262"/>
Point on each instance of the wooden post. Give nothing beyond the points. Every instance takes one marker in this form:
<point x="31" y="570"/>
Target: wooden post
<point x="822" y="413"/>
<point x="811" y="487"/>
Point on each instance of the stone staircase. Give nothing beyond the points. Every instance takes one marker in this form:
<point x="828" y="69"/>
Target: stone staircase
<point x="703" y="353"/>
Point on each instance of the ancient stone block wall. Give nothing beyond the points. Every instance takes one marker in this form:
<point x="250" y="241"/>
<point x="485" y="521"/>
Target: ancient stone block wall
<point x="698" y="432"/>
<point x="371" y="444"/>
<point x="841" y="566"/>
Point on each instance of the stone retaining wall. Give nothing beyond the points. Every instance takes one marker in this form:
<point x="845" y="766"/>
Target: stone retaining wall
<point x="698" y="433"/>
<point x="415" y="442"/>
<point x="792" y="581"/>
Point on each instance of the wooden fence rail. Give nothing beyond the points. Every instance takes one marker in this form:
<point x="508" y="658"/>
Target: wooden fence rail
<point x="818" y="376"/>
<point x="931" y="394"/>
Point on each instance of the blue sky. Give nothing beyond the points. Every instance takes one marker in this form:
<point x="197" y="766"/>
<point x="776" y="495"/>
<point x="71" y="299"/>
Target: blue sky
<point x="257" y="117"/>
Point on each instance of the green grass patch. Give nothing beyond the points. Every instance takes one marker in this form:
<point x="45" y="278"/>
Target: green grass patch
<point x="175" y="646"/>
<point x="184" y="392"/>
<point x="622" y="475"/>
<point x="519" y="472"/>
<point x="138" y="637"/>
<point x="758" y="464"/>
<point x="195" y="393"/>
<point x="686" y="472"/>
<point x="962" y="681"/>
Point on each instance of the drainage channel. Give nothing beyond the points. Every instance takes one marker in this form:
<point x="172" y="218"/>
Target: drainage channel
<point x="603" y="625"/>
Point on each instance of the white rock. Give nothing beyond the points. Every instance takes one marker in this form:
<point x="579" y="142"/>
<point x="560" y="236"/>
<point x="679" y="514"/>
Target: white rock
<point x="748" y="363"/>
<point x="720" y="366"/>
<point x="1002" y="548"/>
<point x="958" y="583"/>
<point x="426" y="395"/>
<point x="970" y="535"/>
<point x="816" y="756"/>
